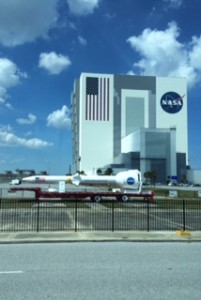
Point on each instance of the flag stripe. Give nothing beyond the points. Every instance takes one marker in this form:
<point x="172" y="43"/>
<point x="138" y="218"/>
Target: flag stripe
<point x="97" y="101"/>
<point x="101" y="99"/>
<point x="108" y="106"/>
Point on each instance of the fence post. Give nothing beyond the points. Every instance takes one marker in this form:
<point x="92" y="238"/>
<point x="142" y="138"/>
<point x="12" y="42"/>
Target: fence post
<point x="113" y="215"/>
<point x="76" y="216"/>
<point x="38" y="216"/>
<point x="184" y="216"/>
<point x="147" y="214"/>
<point x="1" y="197"/>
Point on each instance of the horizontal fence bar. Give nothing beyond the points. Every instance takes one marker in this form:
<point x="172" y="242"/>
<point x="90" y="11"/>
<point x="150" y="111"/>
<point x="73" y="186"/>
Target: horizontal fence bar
<point x="71" y="215"/>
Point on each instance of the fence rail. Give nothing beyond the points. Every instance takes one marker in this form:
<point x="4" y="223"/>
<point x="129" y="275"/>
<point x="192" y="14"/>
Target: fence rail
<point x="70" y="215"/>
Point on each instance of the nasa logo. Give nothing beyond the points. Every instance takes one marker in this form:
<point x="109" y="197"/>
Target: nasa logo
<point x="130" y="181"/>
<point x="172" y="102"/>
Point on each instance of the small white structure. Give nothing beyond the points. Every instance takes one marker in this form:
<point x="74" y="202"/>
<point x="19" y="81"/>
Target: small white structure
<point x="194" y="176"/>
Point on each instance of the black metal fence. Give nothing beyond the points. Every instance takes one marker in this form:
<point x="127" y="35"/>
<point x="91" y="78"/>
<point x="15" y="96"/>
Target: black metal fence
<point x="69" y="215"/>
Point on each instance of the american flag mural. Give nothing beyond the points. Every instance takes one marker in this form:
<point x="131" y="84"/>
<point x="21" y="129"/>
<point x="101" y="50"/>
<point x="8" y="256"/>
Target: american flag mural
<point x="97" y="99"/>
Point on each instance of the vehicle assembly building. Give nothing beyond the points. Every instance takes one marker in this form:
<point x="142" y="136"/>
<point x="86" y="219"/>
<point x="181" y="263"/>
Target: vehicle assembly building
<point x="131" y="122"/>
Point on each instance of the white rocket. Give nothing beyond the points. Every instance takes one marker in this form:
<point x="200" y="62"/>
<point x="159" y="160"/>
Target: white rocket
<point x="47" y="179"/>
<point x="130" y="179"/>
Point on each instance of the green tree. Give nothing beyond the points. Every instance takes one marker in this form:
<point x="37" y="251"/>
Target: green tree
<point x="81" y="172"/>
<point x="147" y="177"/>
<point x="150" y="176"/>
<point x="109" y="171"/>
<point x="99" y="172"/>
<point x="184" y="179"/>
<point x="153" y="177"/>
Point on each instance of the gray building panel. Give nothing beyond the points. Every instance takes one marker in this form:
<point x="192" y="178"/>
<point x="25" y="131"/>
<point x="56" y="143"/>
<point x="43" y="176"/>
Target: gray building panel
<point x="128" y="82"/>
<point x="157" y="144"/>
<point x="133" y="82"/>
<point x="134" y="117"/>
<point x="152" y="111"/>
<point x="181" y="166"/>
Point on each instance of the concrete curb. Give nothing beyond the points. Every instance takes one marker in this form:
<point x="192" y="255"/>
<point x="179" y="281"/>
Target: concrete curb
<point x="103" y="236"/>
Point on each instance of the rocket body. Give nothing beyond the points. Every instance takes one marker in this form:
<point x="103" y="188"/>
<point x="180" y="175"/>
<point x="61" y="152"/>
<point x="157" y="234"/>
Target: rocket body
<point x="46" y="178"/>
<point x="130" y="179"/>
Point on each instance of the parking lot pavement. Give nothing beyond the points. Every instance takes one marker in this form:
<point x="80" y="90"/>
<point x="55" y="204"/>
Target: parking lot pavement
<point x="99" y="236"/>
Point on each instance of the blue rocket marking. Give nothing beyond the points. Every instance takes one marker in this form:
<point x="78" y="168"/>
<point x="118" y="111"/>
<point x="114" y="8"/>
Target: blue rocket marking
<point x="130" y="181"/>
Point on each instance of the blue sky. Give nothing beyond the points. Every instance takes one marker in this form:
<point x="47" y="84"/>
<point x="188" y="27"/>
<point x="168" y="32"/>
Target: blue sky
<point x="45" y="45"/>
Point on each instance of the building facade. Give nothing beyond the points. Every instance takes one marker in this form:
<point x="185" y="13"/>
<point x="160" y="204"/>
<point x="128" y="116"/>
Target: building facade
<point x="130" y="121"/>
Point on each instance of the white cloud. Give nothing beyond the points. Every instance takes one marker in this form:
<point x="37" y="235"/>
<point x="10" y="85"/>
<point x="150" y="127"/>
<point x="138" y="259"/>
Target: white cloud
<point x="24" y="21"/>
<point x="7" y="128"/>
<point x="2" y="95"/>
<point x="174" y="3"/>
<point x="35" y="143"/>
<point x="54" y="63"/>
<point x="30" y="120"/>
<point x="195" y="54"/>
<point x="82" y="41"/>
<point x="109" y="16"/>
<point x="163" y="55"/>
<point x="130" y="72"/>
<point x="8" y="105"/>
<point x="2" y="91"/>
<point x="72" y="25"/>
<point x="28" y="133"/>
<point x="8" y="138"/>
<point x="60" y="118"/>
<point x="10" y="76"/>
<point x="83" y="7"/>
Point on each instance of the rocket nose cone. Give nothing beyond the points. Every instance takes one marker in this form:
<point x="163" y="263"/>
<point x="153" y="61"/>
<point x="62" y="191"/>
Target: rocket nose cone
<point x="30" y="178"/>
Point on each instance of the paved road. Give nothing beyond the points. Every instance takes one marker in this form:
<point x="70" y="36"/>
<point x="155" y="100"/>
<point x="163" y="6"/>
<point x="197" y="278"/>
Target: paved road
<point x="86" y="271"/>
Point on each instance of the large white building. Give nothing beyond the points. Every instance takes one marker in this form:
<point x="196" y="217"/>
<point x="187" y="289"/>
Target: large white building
<point x="130" y="122"/>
